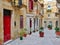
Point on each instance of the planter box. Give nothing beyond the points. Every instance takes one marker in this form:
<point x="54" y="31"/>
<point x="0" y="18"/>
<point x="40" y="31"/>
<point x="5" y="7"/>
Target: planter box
<point x="21" y="38"/>
<point x="25" y="35"/>
<point x="58" y="33"/>
<point x="41" y="34"/>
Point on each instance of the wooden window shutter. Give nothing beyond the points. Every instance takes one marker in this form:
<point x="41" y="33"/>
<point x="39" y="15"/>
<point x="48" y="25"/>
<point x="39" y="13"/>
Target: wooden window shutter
<point x="21" y="21"/>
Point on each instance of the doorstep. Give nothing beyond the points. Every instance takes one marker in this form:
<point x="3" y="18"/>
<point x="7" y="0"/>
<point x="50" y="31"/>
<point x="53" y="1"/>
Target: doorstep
<point x="5" y="43"/>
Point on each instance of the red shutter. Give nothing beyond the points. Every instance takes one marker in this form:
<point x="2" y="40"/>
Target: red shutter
<point x="30" y="4"/>
<point x="21" y="21"/>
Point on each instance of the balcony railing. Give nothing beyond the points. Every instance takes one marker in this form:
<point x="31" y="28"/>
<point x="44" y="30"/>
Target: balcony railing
<point x="49" y="10"/>
<point x="35" y="0"/>
<point x="42" y="5"/>
<point x="57" y="13"/>
<point x="58" y="5"/>
<point x="58" y="1"/>
<point x="16" y="3"/>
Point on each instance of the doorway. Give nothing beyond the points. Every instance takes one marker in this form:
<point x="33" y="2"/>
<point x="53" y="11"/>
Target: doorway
<point x="7" y="24"/>
<point x="56" y="23"/>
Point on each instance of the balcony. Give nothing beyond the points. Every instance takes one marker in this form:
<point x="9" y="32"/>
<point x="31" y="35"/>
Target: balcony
<point x="49" y="10"/>
<point x="56" y="14"/>
<point x="42" y="5"/>
<point x="58" y="5"/>
<point x="19" y="3"/>
<point x="58" y="1"/>
<point x="35" y="0"/>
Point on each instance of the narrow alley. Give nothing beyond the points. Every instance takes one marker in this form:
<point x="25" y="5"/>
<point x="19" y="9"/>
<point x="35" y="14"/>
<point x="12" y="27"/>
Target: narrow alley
<point x="34" y="39"/>
<point x="29" y="22"/>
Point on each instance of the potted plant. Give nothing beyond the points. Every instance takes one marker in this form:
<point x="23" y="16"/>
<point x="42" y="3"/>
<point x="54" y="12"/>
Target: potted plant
<point x="21" y="35"/>
<point x="25" y="32"/>
<point x="57" y="31"/>
<point x="41" y="32"/>
<point x="49" y="27"/>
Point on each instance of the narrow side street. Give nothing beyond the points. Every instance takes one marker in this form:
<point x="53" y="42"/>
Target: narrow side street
<point x="29" y="22"/>
<point x="34" y="39"/>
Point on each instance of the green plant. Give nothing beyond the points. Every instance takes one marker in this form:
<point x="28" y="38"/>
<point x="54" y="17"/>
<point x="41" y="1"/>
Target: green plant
<point x="50" y="26"/>
<point x="41" y="28"/>
<point x="40" y="31"/>
<point x="21" y="38"/>
<point x="25" y="30"/>
<point x="56" y="29"/>
<point x="21" y="33"/>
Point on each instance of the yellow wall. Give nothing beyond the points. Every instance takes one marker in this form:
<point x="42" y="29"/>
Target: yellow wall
<point x="15" y="16"/>
<point x="52" y="17"/>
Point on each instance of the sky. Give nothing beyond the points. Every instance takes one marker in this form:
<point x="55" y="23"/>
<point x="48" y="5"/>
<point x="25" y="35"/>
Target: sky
<point x="48" y="0"/>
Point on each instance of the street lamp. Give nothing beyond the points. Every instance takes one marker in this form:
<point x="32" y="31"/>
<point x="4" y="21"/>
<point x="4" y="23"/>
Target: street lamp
<point x="16" y="3"/>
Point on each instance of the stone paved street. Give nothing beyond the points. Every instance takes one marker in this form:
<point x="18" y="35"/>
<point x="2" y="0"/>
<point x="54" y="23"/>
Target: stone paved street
<point x="34" y="39"/>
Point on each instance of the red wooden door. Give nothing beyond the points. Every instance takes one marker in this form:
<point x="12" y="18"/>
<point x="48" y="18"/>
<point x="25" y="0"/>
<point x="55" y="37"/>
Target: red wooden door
<point x="7" y="24"/>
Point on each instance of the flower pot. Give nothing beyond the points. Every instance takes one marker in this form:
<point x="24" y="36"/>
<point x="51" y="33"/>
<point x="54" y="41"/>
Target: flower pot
<point x="34" y="31"/>
<point x="58" y="33"/>
<point x="21" y="38"/>
<point x="25" y="35"/>
<point x="49" y="28"/>
<point x="41" y="34"/>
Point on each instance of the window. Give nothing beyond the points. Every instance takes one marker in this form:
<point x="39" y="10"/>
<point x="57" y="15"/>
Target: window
<point x="50" y="22"/>
<point x="56" y="23"/>
<point x="55" y="15"/>
<point x="58" y="10"/>
<point x="21" y="21"/>
<point x="42" y="11"/>
<point x="44" y="21"/>
<point x="14" y="23"/>
<point x="30" y="23"/>
<point x="49" y="7"/>
<point x="16" y="2"/>
<point x="48" y="15"/>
